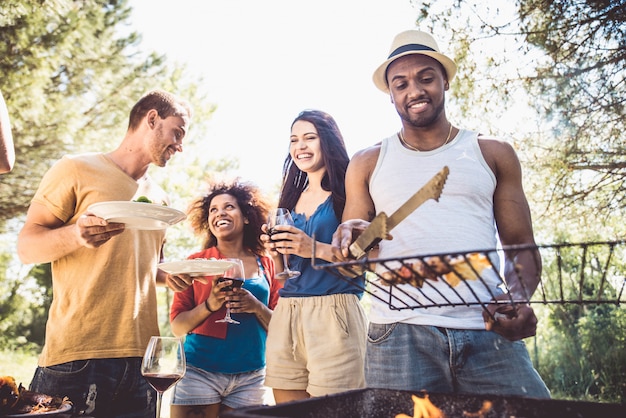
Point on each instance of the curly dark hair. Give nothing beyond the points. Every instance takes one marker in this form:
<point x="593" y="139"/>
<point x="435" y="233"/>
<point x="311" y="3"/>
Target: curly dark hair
<point x="253" y="207"/>
<point x="335" y="159"/>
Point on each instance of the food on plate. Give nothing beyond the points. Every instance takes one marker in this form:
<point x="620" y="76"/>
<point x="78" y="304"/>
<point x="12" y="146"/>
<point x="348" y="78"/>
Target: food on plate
<point x="146" y="199"/>
<point x="453" y="269"/>
<point x="143" y="199"/>
<point x="17" y="400"/>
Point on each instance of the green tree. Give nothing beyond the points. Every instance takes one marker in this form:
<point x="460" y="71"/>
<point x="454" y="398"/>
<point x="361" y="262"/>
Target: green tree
<point x="23" y="312"/>
<point x="70" y="74"/>
<point x="578" y="353"/>
<point x="575" y="339"/>
<point x="580" y="87"/>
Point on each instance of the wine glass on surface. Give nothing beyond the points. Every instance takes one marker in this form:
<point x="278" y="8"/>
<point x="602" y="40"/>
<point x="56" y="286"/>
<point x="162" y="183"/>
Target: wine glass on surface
<point x="236" y="274"/>
<point x="281" y="216"/>
<point x="163" y="365"/>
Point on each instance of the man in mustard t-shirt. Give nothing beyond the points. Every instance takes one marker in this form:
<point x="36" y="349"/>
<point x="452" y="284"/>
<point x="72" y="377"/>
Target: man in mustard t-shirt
<point x="104" y="276"/>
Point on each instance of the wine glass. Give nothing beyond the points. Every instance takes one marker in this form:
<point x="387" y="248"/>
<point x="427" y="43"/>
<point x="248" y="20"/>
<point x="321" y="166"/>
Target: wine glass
<point x="281" y="216"/>
<point x="236" y="274"/>
<point x="163" y="365"/>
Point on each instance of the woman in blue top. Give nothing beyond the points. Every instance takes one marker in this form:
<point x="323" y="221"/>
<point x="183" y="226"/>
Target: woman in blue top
<point x="225" y="363"/>
<point x="317" y="334"/>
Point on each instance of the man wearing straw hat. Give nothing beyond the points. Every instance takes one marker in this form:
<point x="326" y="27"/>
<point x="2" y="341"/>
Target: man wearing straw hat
<point x="454" y="348"/>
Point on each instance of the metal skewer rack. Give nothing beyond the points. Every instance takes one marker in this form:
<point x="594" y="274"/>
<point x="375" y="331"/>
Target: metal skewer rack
<point x="582" y="273"/>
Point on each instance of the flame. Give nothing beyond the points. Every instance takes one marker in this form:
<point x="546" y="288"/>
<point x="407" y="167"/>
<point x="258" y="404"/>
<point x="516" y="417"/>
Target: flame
<point x="423" y="408"/>
<point x="481" y="412"/>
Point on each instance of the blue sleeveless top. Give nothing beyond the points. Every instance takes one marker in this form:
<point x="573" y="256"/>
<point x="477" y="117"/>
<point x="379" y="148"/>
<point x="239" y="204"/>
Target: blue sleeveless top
<point x="243" y="350"/>
<point x="312" y="282"/>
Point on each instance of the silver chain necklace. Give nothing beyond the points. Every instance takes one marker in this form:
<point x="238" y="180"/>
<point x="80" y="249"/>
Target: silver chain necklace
<point x="412" y="148"/>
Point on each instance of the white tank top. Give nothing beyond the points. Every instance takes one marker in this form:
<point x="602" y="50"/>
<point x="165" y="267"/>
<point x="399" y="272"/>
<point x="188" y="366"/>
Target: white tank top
<point x="462" y="220"/>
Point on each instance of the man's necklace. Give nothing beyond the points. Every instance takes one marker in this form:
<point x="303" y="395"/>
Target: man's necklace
<point x="412" y="148"/>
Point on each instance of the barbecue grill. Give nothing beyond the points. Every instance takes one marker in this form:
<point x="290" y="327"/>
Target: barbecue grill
<point x="582" y="273"/>
<point x="383" y="403"/>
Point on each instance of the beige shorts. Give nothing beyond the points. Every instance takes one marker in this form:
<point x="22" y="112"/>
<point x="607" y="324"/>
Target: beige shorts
<point x="317" y="344"/>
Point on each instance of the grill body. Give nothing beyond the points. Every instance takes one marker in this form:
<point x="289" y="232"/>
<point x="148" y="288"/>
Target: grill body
<point x="383" y="403"/>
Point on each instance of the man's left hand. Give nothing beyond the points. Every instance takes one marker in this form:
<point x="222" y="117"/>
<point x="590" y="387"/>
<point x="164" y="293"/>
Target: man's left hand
<point x="513" y="322"/>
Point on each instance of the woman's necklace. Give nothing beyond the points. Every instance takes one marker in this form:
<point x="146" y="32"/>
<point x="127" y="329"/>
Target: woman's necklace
<point x="412" y="148"/>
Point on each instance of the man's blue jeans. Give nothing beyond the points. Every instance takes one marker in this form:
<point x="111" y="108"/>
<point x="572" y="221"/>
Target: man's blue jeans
<point x="104" y="388"/>
<point x="416" y="357"/>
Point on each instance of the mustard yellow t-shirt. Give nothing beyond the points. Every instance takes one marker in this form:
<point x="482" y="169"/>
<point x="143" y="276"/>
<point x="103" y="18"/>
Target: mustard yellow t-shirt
<point x="104" y="299"/>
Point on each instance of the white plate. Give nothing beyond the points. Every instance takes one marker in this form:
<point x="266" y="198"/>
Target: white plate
<point x="138" y="215"/>
<point x="65" y="407"/>
<point x="197" y="267"/>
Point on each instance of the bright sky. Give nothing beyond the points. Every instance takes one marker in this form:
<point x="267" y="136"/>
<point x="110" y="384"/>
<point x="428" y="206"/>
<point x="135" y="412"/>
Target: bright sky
<point x="265" y="61"/>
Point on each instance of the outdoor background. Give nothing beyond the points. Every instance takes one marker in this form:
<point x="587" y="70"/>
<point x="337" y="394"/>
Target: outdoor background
<point x="547" y="76"/>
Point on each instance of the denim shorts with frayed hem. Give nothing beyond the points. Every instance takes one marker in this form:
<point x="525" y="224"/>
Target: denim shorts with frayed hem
<point x="199" y="387"/>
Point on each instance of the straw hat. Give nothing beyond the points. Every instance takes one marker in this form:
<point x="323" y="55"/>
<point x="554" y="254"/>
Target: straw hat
<point x="412" y="42"/>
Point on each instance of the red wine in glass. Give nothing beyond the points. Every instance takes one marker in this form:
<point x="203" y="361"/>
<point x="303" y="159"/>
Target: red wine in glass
<point x="163" y="365"/>
<point x="237" y="275"/>
<point x="162" y="382"/>
<point x="273" y="231"/>
<point x="281" y="216"/>
<point x="237" y="283"/>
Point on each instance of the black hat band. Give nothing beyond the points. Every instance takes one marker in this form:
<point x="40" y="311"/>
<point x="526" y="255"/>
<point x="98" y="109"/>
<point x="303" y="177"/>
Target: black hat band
<point x="410" y="47"/>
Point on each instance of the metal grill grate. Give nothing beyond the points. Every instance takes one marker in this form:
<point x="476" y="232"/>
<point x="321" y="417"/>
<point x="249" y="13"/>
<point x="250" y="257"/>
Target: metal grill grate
<point x="582" y="273"/>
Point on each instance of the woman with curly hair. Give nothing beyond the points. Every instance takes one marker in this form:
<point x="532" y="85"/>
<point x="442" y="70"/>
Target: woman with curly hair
<point x="225" y="363"/>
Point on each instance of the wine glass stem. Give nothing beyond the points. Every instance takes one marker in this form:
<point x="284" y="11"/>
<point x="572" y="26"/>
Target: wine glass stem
<point x="158" y="404"/>
<point x="286" y="262"/>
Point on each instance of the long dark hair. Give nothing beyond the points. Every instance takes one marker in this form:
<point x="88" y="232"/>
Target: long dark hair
<point x="253" y="207"/>
<point x="335" y="159"/>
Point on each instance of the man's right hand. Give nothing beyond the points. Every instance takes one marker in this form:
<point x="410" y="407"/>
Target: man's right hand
<point x="94" y="231"/>
<point x="345" y="235"/>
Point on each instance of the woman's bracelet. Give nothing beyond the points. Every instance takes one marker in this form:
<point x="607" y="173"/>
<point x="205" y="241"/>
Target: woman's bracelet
<point x="208" y="307"/>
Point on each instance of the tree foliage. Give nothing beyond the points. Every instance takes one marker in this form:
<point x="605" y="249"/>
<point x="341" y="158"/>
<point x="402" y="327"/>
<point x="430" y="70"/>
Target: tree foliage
<point x="71" y="72"/>
<point x="24" y="307"/>
<point x="581" y="86"/>
<point x="578" y="351"/>
<point x="574" y="351"/>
